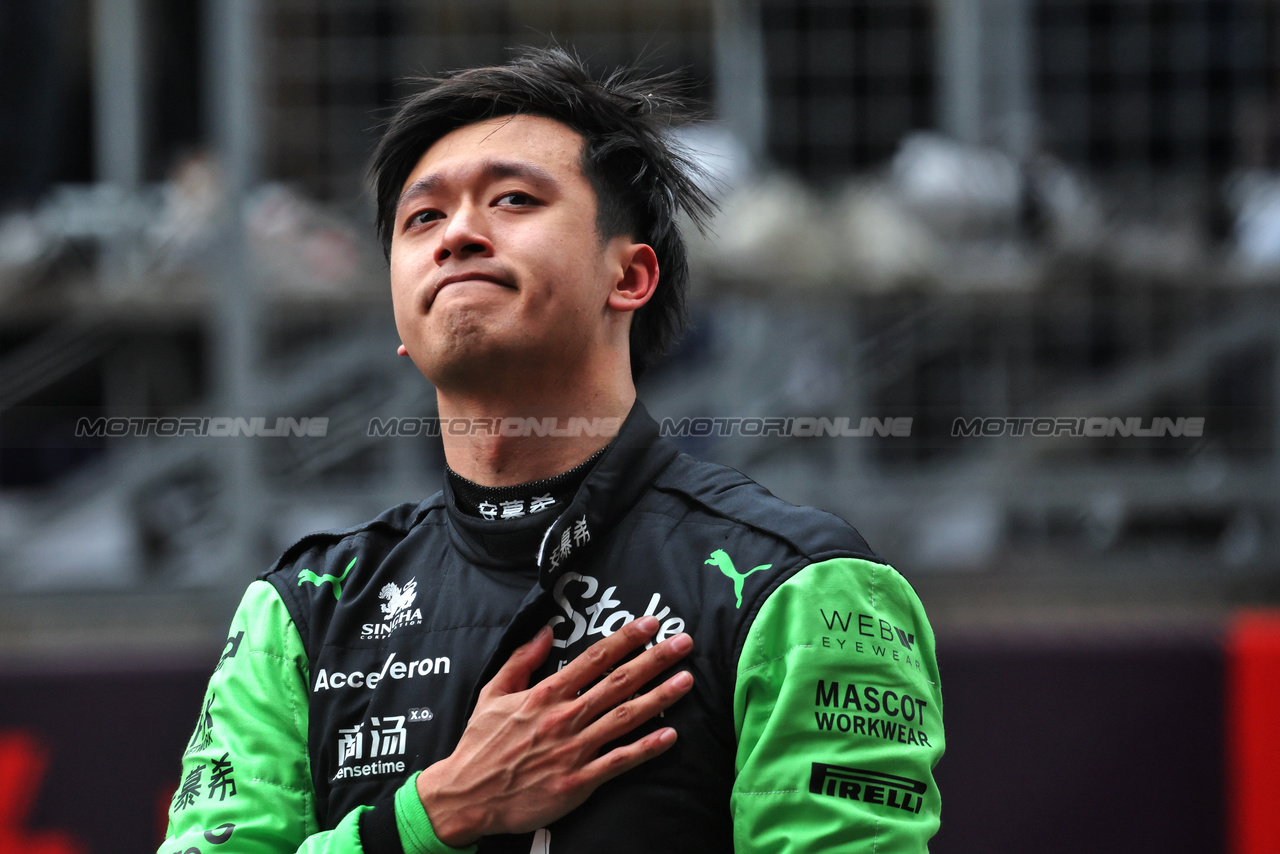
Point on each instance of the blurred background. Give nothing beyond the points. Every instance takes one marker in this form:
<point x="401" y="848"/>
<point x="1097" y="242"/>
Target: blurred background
<point x="1041" y="236"/>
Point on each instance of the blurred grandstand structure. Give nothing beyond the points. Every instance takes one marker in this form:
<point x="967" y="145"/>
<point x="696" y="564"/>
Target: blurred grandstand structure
<point x="939" y="210"/>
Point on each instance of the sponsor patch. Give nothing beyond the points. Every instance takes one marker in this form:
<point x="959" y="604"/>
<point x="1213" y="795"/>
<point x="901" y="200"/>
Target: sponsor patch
<point x="871" y="787"/>
<point x="391" y="669"/>
<point x="398" y="612"/>
<point x="385" y="737"/>
<point x="588" y="610"/>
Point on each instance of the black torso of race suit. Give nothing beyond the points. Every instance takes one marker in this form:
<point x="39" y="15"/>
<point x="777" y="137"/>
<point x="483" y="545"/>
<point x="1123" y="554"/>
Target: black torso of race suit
<point x="406" y="617"/>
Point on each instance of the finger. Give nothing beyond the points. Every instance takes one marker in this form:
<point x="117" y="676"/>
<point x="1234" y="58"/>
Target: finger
<point x="516" y="671"/>
<point x="625" y="717"/>
<point x="628" y="756"/>
<point x="601" y="655"/>
<point x="630" y="678"/>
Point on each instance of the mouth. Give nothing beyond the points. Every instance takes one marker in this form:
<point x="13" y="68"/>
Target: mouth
<point x="460" y="278"/>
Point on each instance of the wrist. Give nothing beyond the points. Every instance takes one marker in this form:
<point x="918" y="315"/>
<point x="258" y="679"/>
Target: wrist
<point x="455" y="821"/>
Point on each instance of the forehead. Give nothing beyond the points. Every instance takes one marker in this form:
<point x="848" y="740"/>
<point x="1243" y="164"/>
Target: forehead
<point x="545" y="143"/>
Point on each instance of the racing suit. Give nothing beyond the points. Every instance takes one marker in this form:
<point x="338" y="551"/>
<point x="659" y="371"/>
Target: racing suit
<point x="814" y="722"/>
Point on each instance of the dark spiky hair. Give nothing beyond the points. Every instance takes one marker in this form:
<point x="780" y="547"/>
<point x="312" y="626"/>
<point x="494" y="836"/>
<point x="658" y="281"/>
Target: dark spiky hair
<point x="641" y="179"/>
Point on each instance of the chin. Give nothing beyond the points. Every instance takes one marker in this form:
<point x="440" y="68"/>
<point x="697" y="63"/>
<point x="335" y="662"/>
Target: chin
<point x="470" y="368"/>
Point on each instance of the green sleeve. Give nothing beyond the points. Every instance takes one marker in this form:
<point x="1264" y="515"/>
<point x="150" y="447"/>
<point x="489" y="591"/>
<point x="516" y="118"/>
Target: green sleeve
<point x="416" y="834"/>
<point x="838" y="713"/>
<point x="246" y="778"/>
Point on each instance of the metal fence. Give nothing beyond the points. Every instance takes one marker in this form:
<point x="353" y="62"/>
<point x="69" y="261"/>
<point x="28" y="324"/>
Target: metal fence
<point x="992" y="209"/>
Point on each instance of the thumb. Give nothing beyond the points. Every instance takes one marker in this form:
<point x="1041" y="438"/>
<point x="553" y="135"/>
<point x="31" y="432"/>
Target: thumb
<point x="514" y="675"/>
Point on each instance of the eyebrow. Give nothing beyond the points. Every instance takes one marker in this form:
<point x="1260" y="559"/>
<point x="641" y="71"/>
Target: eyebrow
<point x="489" y="170"/>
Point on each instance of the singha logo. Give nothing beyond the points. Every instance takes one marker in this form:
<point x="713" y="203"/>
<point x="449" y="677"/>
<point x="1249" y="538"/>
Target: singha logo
<point x="398" y="599"/>
<point x="397" y="612"/>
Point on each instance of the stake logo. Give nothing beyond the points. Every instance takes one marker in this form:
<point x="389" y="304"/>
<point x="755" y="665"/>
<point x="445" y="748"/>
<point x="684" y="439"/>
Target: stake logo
<point x="587" y="610"/>
<point x="725" y="564"/>
<point x="872" y="787"/>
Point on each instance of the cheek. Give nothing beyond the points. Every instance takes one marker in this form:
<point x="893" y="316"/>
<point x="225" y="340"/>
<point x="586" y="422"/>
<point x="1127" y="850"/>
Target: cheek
<point x="570" y="272"/>
<point x="403" y="307"/>
<point x="404" y="272"/>
<point x="400" y="299"/>
<point x="564" y="294"/>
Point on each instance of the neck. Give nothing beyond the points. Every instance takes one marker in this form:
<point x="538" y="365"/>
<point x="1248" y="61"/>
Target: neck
<point x="482" y="454"/>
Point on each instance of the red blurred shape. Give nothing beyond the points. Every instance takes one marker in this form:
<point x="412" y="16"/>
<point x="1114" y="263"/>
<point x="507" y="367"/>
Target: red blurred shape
<point x="1253" y="733"/>
<point x="22" y="765"/>
<point x="164" y="799"/>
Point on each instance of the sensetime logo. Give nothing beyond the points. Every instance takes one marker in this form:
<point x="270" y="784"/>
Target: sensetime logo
<point x="872" y="787"/>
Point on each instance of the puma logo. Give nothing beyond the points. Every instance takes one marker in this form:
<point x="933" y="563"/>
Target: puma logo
<point x="335" y="580"/>
<point x="725" y="563"/>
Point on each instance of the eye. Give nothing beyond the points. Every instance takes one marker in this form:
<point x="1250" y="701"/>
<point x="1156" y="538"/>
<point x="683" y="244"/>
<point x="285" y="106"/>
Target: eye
<point x="423" y="217"/>
<point x="516" y="199"/>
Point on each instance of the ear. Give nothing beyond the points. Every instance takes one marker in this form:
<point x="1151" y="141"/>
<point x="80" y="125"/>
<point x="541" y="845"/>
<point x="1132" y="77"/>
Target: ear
<point x="639" y="278"/>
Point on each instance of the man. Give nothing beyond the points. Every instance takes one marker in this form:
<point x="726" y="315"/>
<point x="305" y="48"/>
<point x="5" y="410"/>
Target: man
<point x="587" y="641"/>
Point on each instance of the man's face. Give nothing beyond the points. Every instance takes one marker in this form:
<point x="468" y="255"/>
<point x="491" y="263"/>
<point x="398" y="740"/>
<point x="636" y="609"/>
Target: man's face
<point x="497" y="268"/>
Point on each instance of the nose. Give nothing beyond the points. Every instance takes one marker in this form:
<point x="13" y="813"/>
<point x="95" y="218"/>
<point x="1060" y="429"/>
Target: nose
<point x="464" y="235"/>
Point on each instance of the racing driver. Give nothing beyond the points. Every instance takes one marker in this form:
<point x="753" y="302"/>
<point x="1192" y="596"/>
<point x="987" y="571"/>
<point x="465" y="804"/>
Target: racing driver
<point x="587" y="641"/>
